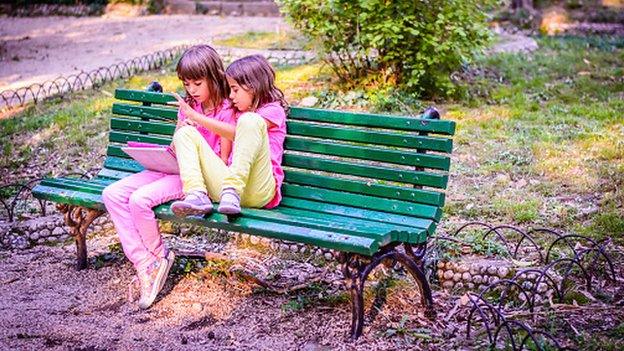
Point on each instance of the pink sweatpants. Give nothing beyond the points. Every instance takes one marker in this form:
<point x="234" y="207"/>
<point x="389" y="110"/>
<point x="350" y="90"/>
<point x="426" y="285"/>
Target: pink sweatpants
<point x="129" y="202"/>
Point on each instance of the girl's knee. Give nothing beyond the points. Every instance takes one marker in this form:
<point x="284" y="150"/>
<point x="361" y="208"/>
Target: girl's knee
<point x="140" y="201"/>
<point x="185" y="132"/>
<point x="111" y="194"/>
<point x="251" y="120"/>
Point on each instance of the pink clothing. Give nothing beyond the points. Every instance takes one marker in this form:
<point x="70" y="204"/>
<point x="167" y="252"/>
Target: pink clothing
<point x="274" y="113"/>
<point x="224" y="114"/>
<point x="129" y="203"/>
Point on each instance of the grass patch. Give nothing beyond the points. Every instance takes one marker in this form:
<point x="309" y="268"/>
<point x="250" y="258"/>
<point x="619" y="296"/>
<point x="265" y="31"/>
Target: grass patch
<point x="282" y="40"/>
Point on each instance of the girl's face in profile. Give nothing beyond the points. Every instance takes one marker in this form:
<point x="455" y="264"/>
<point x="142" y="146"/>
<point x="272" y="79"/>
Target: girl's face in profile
<point x="198" y="89"/>
<point x="241" y="98"/>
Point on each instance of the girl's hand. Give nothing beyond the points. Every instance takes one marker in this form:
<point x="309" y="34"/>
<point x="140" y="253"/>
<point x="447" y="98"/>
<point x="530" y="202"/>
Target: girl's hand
<point x="185" y="108"/>
<point x="188" y="122"/>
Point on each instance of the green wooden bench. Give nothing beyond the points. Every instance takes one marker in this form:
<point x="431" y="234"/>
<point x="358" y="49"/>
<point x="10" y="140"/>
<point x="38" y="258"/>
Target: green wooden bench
<point x="369" y="186"/>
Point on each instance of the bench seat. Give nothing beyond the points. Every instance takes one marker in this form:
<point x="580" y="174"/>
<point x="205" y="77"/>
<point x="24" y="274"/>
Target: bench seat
<point x="332" y="226"/>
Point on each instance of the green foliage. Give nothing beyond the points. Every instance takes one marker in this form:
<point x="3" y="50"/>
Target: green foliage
<point x="416" y="44"/>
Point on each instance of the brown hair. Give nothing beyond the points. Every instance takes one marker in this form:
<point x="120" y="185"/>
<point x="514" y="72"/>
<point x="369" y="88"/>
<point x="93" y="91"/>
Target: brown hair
<point x="256" y="74"/>
<point x="203" y="62"/>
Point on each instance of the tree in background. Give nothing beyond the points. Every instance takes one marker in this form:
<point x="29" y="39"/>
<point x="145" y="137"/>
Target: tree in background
<point x="413" y="44"/>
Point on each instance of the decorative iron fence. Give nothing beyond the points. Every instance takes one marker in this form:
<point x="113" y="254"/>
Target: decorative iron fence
<point x="86" y="80"/>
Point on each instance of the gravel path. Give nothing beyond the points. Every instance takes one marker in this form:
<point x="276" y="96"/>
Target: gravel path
<point x="33" y="50"/>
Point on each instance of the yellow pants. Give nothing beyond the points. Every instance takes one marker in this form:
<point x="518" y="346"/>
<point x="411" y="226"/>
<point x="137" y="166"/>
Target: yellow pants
<point x="250" y="173"/>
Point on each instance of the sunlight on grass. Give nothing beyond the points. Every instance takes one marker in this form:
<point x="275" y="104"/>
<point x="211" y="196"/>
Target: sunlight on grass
<point x="282" y="40"/>
<point x="299" y="81"/>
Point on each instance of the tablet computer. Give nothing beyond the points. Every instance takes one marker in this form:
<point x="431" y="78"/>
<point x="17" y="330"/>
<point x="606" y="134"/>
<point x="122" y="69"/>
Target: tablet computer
<point x="157" y="158"/>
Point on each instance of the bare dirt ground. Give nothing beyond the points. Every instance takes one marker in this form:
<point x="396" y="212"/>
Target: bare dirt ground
<point x="46" y="304"/>
<point x="33" y="50"/>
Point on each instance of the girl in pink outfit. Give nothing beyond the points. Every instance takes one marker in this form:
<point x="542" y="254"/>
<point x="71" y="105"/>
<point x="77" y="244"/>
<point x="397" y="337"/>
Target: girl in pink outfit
<point x="254" y="176"/>
<point x="129" y="201"/>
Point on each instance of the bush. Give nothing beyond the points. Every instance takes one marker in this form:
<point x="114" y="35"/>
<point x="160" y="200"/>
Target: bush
<point x="413" y="43"/>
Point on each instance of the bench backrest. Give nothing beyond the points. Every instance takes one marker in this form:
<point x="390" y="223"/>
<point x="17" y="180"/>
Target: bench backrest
<point x="394" y="164"/>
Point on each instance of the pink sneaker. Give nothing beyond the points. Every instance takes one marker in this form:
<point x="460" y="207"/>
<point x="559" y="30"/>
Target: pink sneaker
<point x="195" y="203"/>
<point x="230" y="202"/>
<point x="153" y="280"/>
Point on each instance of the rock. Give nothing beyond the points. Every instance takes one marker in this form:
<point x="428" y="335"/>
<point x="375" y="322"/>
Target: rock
<point x="441" y="264"/>
<point x="474" y="270"/>
<point x="448" y="275"/>
<point x="50" y="225"/>
<point x="542" y="287"/>
<point x="462" y="268"/>
<point x="466" y="276"/>
<point x="521" y="183"/>
<point x="492" y="270"/>
<point x="254" y="240"/>
<point x="58" y="231"/>
<point x="502" y="179"/>
<point x="97" y="228"/>
<point x="124" y="10"/>
<point x="294" y="248"/>
<point x="448" y="284"/>
<point x="44" y="232"/>
<point x="197" y="307"/>
<point x="493" y="279"/>
<point x="503" y="272"/>
<point x="179" y="7"/>
<point x="34" y="235"/>
<point x="33" y="226"/>
<point x="328" y="256"/>
<point x="303" y="249"/>
<point x="284" y="247"/>
<point x="231" y="8"/>
<point x="477" y="279"/>
<point x="459" y="286"/>
<point x="470" y="286"/>
<point x="440" y="273"/>
<point x="309" y="101"/>
<point x="457" y="277"/>
<point x="260" y="8"/>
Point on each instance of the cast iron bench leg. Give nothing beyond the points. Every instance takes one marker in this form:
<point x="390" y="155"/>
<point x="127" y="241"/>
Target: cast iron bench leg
<point x="356" y="269"/>
<point x="78" y="219"/>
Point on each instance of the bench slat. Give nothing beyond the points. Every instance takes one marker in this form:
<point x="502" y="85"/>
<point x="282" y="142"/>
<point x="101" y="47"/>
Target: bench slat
<point x="143" y="96"/>
<point x="359" y="169"/>
<point x="353" y="212"/>
<point x="369" y="137"/>
<point x="142" y="126"/>
<point x="366" y="188"/>
<point x="120" y="137"/>
<point x="402" y="157"/>
<point x="373" y="120"/>
<point x="159" y="113"/>
<point x="362" y="201"/>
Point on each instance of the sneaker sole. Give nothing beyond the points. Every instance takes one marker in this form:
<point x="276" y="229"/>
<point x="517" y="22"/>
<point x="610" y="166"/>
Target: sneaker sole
<point x="183" y="210"/>
<point x="229" y="210"/>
